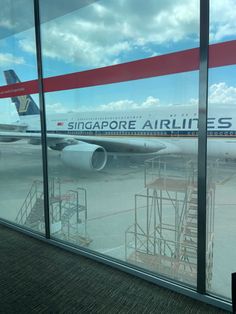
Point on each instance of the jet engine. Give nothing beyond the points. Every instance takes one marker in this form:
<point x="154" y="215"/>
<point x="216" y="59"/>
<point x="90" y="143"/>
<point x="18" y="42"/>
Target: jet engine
<point x="84" y="156"/>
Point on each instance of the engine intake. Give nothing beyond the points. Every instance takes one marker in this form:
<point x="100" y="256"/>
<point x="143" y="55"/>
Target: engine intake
<point x="84" y="156"/>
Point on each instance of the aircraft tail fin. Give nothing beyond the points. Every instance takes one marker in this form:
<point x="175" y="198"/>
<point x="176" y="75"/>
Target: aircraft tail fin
<point x="25" y="104"/>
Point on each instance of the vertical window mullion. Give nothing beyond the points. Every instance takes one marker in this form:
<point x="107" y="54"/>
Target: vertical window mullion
<point x="42" y="117"/>
<point x="202" y="145"/>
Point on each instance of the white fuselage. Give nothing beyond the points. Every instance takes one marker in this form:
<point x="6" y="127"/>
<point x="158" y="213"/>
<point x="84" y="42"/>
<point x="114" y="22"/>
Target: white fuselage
<point x="177" y="125"/>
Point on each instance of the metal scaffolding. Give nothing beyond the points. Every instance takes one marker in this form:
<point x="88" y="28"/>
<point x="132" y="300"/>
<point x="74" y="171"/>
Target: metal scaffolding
<point x="163" y="238"/>
<point x="68" y="211"/>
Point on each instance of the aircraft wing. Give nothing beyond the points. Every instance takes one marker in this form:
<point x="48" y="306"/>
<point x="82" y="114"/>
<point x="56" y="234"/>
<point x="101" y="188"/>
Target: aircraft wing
<point x="118" y="144"/>
<point x="126" y="144"/>
<point x="13" y="127"/>
<point x="52" y="139"/>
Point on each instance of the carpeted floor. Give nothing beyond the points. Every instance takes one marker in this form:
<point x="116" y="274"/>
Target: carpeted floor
<point x="38" y="278"/>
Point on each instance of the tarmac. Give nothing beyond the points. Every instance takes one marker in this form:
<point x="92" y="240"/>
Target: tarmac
<point x="111" y="201"/>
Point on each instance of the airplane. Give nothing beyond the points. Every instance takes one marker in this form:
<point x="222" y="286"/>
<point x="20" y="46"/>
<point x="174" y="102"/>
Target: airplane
<point x="86" y="139"/>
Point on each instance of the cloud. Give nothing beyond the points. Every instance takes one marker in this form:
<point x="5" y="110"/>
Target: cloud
<point x="17" y="16"/>
<point x="100" y="35"/>
<point x="222" y="19"/>
<point x="8" y="113"/>
<point x="105" y="33"/>
<point x="149" y="103"/>
<point x="7" y="59"/>
<point x="221" y="93"/>
<point x="56" y="108"/>
<point x="193" y="101"/>
<point x="6" y="23"/>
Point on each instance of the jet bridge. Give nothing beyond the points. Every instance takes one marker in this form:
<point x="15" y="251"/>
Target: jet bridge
<point x="67" y="209"/>
<point x="163" y="238"/>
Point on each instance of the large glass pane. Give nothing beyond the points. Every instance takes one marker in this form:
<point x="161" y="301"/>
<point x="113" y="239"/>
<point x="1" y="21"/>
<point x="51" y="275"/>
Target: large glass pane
<point x="221" y="149"/>
<point x="123" y="135"/>
<point x="112" y="32"/>
<point x="20" y="162"/>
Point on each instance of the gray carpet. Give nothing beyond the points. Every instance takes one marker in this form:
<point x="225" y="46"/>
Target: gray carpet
<point x="38" y="278"/>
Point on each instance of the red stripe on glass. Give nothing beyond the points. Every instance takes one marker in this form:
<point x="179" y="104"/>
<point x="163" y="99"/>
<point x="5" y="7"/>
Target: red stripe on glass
<point x="18" y="89"/>
<point x="221" y="54"/>
<point x="178" y="62"/>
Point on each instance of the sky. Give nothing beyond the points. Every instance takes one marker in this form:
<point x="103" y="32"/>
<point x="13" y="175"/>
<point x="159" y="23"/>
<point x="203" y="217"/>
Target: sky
<point x="112" y="32"/>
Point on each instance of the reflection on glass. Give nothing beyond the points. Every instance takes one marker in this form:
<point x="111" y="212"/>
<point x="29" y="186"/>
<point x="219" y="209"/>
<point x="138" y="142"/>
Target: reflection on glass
<point x="98" y="164"/>
<point x="21" y="186"/>
<point x="163" y="237"/>
<point x="105" y="33"/>
<point x="222" y="21"/>
<point x="221" y="163"/>
<point x="105" y="139"/>
<point x="221" y="138"/>
<point x="21" y="170"/>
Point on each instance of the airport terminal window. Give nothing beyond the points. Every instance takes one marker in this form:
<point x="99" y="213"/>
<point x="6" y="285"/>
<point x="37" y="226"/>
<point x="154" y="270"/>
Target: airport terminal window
<point x="105" y="33"/>
<point x="121" y="120"/>
<point x="221" y="178"/>
<point x="121" y="100"/>
<point x="21" y="184"/>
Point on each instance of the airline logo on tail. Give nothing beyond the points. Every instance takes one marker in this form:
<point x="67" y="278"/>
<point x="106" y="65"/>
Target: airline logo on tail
<point x="25" y="104"/>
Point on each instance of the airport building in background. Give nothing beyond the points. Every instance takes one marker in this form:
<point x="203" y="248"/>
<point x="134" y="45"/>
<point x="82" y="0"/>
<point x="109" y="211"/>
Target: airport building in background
<point x="118" y="135"/>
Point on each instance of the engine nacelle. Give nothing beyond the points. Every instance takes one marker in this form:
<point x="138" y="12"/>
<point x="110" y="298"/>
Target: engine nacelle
<point x="84" y="156"/>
